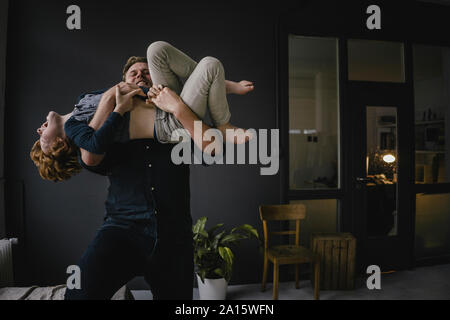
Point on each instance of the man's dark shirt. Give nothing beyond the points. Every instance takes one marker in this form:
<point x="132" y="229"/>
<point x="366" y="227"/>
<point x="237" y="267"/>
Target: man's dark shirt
<point x="144" y="182"/>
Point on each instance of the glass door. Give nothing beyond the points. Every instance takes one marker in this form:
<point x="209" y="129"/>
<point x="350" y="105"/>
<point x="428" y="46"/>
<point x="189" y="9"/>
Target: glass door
<point x="380" y="180"/>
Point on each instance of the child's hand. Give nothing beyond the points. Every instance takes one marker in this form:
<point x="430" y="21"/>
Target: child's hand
<point x="164" y="98"/>
<point x="154" y="91"/>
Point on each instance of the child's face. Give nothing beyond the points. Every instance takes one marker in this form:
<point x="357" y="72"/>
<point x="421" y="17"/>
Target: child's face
<point x="51" y="130"/>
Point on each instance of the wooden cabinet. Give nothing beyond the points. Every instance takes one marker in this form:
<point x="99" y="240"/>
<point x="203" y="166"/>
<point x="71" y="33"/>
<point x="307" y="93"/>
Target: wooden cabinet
<point x="337" y="254"/>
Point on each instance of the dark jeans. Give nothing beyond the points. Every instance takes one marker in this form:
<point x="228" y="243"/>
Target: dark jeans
<point x="120" y="252"/>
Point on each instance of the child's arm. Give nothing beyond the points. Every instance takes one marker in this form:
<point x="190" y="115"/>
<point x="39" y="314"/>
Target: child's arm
<point x="93" y="143"/>
<point x="104" y="109"/>
<point x="108" y="102"/>
<point x="187" y="118"/>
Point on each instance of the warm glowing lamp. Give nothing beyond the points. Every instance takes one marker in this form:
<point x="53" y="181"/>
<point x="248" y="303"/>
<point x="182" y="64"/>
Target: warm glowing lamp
<point x="389" y="158"/>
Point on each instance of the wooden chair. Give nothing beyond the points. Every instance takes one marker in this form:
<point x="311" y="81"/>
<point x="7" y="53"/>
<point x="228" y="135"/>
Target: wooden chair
<point x="287" y="254"/>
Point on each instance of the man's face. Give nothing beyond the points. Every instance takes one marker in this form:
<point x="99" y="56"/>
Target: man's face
<point x="51" y="130"/>
<point x="138" y="74"/>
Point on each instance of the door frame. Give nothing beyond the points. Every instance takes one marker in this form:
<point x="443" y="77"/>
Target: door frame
<point x="3" y="40"/>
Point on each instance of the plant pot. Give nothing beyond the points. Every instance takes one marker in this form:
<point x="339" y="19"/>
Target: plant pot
<point x="212" y="289"/>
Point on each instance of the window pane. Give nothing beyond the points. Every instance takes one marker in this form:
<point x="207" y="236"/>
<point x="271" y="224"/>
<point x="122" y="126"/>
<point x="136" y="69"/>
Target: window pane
<point x="321" y="216"/>
<point x="381" y="180"/>
<point x="431" y="102"/>
<point x="313" y="113"/>
<point x="370" y="60"/>
<point x="432" y="225"/>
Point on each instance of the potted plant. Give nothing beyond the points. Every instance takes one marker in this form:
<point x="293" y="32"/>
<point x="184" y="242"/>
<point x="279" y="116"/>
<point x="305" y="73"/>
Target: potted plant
<point x="213" y="257"/>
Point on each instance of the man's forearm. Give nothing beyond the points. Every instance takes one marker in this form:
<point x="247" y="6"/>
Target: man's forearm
<point x="105" y="107"/>
<point x="93" y="143"/>
<point x="91" y="159"/>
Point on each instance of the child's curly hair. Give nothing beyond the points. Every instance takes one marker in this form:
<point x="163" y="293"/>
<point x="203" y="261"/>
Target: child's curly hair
<point x="60" y="164"/>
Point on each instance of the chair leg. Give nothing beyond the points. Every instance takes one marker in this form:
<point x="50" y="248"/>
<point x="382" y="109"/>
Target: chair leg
<point x="276" y="271"/>
<point x="264" y="280"/>
<point x="316" y="279"/>
<point x="297" y="274"/>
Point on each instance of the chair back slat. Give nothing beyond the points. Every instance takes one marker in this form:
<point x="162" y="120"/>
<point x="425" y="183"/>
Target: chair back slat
<point x="282" y="212"/>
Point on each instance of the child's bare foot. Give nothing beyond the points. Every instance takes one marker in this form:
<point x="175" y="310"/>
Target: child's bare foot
<point x="241" y="87"/>
<point x="234" y="134"/>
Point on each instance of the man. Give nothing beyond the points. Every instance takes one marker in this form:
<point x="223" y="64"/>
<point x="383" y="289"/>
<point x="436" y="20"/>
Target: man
<point x="148" y="229"/>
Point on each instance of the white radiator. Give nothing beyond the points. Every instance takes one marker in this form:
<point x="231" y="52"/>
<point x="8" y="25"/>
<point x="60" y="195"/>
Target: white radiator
<point x="6" y="263"/>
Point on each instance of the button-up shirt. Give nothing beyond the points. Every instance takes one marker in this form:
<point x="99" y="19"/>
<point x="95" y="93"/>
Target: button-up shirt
<point x="144" y="182"/>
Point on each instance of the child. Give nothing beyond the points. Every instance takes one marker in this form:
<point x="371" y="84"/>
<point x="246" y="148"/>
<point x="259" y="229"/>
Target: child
<point x="205" y="88"/>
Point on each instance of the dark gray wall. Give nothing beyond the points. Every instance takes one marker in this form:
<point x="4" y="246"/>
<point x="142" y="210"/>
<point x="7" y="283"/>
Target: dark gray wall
<point x="3" y="30"/>
<point x="49" y="66"/>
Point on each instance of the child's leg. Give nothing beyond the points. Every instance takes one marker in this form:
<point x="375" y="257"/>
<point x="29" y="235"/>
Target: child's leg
<point x="168" y="65"/>
<point x="205" y="88"/>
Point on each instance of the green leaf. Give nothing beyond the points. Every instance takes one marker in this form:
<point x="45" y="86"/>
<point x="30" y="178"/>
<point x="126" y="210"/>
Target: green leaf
<point x="219" y="235"/>
<point x="232" y="238"/>
<point x="203" y="233"/>
<point x="219" y="272"/>
<point x="247" y="229"/>
<point x="199" y="225"/>
<point x="216" y="240"/>
<point x="227" y="255"/>
<point x="213" y="229"/>
<point x="200" y="252"/>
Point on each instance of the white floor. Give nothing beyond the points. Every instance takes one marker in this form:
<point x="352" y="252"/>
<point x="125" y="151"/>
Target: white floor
<point x="430" y="283"/>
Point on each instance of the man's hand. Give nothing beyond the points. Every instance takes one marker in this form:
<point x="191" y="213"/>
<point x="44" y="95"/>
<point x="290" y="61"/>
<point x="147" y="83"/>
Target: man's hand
<point x="164" y="98"/>
<point x="124" y="87"/>
<point x="124" y="102"/>
<point x="129" y="87"/>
